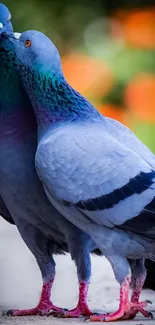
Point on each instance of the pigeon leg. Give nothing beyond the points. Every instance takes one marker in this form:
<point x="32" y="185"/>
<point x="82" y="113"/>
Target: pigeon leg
<point x="137" y="288"/>
<point x="82" y="306"/>
<point x="125" y="307"/>
<point x="81" y="309"/>
<point x="44" y="306"/>
<point x="47" y="267"/>
<point x="138" y="279"/>
<point x="135" y="305"/>
<point x="80" y="252"/>
<point x="122" y="270"/>
<point x="124" y="302"/>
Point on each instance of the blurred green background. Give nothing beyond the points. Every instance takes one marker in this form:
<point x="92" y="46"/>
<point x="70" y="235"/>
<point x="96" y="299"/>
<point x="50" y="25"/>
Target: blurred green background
<point x="108" y="53"/>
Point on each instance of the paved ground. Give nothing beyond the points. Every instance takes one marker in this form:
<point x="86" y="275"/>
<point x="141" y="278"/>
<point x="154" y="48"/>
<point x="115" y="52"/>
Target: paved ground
<point x="20" y="284"/>
<point x="45" y="321"/>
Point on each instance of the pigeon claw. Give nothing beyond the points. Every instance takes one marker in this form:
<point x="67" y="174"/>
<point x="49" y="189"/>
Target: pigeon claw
<point x="9" y="312"/>
<point x="149" y="302"/>
<point x="95" y="318"/>
<point x="39" y="310"/>
<point x="135" y="308"/>
<point x="74" y="313"/>
<point x="57" y="313"/>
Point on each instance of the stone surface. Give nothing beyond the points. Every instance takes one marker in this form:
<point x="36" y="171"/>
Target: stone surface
<point x="20" y="284"/>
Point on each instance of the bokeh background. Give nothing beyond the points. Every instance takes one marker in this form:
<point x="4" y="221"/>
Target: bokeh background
<point x="108" y="53"/>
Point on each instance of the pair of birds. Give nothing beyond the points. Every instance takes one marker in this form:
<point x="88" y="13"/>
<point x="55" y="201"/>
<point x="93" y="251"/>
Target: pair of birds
<point x="92" y="186"/>
<point x="42" y="227"/>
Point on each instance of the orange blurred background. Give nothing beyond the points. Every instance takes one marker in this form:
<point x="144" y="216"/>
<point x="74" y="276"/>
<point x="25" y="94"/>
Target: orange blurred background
<point x="108" y="54"/>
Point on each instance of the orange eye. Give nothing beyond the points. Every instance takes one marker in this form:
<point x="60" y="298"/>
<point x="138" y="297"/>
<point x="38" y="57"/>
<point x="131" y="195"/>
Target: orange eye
<point x="27" y="43"/>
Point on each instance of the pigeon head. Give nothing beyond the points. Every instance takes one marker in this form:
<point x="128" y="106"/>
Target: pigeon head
<point x="52" y="98"/>
<point x="36" y="51"/>
<point x="5" y="17"/>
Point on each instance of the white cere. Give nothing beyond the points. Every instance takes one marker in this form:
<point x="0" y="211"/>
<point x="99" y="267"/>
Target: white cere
<point x="1" y="25"/>
<point x="17" y="35"/>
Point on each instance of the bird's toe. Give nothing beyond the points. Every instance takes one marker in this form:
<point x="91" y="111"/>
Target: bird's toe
<point x="9" y="312"/>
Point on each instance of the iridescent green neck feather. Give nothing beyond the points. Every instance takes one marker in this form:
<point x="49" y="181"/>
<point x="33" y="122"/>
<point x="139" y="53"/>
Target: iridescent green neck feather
<point x="55" y="102"/>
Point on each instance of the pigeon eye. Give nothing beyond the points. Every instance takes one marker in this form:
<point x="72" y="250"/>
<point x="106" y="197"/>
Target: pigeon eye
<point x="27" y="43"/>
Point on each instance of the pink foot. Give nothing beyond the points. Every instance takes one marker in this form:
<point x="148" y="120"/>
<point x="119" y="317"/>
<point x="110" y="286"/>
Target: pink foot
<point x="128" y="312"/>
<point x="133" y="311"/>
<point x="41" y="309"/>
<point x="134" y="308"/>
<point x="44" y="306"/>
<point x="80" y="310"/>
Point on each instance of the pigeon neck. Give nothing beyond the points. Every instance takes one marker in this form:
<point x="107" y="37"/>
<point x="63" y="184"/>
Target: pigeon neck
<point x="16" y="119"/>
<point x="55" y="102"/>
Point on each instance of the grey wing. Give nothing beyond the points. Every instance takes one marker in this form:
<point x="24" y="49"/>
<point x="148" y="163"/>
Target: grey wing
<point x="110" y="184"/>
<point x="4" y="212"/>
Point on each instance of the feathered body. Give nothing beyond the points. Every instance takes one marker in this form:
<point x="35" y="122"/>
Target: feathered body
<point x="78" y="129"/>
<point x="43" y="228"/>
<point x="94" y="170"/>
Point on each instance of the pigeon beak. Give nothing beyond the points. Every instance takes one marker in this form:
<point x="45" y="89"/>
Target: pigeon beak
<point x="1" y="26"/>
<point x="11" y="36"/>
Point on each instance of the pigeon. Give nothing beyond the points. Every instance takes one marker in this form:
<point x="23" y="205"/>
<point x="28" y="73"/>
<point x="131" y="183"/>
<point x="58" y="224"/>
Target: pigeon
<point x="44" y="230"/>
<point x="6" y="25"/>
<point x="94" y="170"/>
